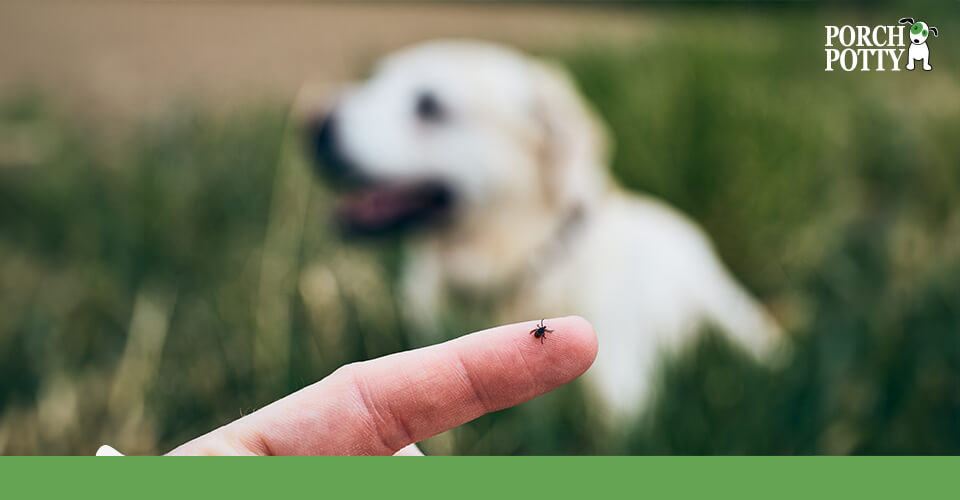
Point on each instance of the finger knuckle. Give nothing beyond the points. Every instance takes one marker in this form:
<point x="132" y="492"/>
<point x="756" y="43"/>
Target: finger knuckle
<point x="388" y="430"/>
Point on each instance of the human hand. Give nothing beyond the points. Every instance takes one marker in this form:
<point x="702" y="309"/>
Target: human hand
<point x="382" y="406"/>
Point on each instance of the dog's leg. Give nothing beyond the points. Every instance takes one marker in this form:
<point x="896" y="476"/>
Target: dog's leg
<point x="422" y="295"/>
<point x="739" y="315"/>
<point x="621" y="378"/>
<point x="622" y="374"/>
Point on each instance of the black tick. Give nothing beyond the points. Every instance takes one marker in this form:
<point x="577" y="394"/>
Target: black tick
<point x="540" y="332"/>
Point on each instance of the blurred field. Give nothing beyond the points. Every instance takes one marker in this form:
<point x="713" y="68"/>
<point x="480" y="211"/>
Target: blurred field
<point x="122" y="59"/>
<point x="159" y="280"/>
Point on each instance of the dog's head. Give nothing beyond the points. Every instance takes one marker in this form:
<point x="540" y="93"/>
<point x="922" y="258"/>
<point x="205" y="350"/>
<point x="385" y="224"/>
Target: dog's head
<point x="452" y="127"/>
<point x="918" y="30"/>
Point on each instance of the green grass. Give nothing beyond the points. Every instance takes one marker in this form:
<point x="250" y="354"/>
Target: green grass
<point x="832" y="196"/>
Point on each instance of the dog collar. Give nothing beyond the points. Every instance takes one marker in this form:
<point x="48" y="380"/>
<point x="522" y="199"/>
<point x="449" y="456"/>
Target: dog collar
<point x="553" y="249"/>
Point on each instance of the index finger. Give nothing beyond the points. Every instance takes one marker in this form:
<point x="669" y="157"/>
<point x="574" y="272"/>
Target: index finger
<point x="377" y="407"/>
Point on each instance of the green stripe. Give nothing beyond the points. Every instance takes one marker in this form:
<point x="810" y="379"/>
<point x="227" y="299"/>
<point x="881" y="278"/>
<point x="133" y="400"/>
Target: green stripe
<point x="483" y="477"/>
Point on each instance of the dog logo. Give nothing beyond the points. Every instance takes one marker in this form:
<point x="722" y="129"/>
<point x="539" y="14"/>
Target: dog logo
<point x="878" y="48"/>
<point x="918" y="50"/>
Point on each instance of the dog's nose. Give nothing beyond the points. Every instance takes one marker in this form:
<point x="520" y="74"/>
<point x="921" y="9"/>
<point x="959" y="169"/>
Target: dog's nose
<point x="322" y="144"/>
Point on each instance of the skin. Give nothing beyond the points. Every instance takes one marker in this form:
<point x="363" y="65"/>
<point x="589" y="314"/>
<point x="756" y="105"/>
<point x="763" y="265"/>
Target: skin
<point x="383" y="406"/>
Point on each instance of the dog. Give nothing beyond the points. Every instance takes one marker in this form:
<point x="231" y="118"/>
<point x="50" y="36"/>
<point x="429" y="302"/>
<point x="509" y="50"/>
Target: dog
<point x="498" y="169"/>
<point x="918" y="50"/>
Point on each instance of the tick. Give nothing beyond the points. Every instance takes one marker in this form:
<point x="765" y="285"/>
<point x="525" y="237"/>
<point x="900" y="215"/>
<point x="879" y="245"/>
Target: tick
<point x="540" y="332"/>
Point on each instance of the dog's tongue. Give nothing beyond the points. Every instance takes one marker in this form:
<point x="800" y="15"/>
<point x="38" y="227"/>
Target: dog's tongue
<point x="389" y="206"/>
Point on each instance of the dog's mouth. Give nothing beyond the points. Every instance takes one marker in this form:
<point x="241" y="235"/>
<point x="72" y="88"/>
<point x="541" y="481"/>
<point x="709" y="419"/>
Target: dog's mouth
<point x="370" y="206"/>
<point x="377" y="208"/>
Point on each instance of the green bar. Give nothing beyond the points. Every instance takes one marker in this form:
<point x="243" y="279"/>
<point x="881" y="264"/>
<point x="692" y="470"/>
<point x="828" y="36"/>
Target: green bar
<point x="483" y="477"/>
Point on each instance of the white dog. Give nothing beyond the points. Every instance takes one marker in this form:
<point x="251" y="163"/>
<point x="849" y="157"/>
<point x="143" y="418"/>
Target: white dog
<point x="502" y="166"/>
<point x="918" y="50"/>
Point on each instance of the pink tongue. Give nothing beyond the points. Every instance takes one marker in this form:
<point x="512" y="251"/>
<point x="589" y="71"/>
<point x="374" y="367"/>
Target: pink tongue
<point x="380" y="205"/>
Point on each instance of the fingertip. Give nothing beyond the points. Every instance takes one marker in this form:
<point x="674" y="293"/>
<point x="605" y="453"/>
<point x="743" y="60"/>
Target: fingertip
<point x="564" y="353"/>
<point x="582" y="339"/>
<point x="586" y="335"/>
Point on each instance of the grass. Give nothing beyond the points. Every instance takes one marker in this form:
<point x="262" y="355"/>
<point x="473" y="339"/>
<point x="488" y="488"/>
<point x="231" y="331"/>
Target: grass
<point x="153" y="290"/>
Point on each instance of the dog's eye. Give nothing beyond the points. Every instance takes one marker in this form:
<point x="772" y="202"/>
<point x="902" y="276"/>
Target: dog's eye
<point x="428" y="108"/>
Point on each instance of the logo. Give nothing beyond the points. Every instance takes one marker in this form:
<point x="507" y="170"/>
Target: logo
<point x="878" y="48"/>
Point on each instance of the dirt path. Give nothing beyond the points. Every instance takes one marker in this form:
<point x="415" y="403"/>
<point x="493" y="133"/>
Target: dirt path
<point x="129" y="59"/>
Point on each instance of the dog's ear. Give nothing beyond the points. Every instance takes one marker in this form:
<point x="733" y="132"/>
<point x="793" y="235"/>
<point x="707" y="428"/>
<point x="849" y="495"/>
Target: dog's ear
<point x="906" y="20"/>
<point x="575" y="141"/>
<point x="933" y="30"/>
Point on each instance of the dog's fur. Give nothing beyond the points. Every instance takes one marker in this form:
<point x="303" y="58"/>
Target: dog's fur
<point x="528" y="212"/>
